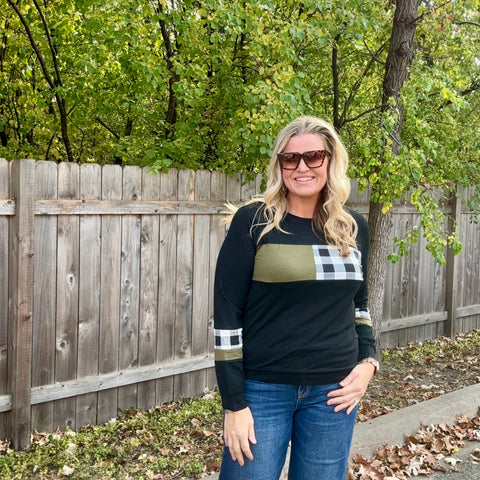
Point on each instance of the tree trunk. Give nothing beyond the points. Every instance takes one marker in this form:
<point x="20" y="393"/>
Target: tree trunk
<point x="399" y="60"/>
<point x="171" y="115"/>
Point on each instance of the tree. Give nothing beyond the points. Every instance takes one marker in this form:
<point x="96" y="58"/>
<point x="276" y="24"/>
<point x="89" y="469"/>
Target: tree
<point x="397" y="67"/>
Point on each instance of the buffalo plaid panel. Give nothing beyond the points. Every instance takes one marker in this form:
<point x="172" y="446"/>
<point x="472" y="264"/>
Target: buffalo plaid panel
<point x="330" y="265"/>
<point x="228" y="339"/>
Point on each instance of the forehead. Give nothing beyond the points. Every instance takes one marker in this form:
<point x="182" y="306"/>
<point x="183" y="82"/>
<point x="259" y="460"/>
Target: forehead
<point x="305" y="143"/>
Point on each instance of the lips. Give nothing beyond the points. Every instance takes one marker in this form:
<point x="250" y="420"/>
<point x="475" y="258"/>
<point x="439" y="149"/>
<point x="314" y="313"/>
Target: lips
<point x="304" y="179"/>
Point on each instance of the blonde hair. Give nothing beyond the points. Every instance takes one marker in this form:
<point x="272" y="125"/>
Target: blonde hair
<point x="337" y="225"/>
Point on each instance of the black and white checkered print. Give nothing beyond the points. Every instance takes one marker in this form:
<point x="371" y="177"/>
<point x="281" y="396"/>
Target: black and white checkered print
<point x="362" y="313"/>
<point x="228" y="339"/>
<point x="330" y="265"/>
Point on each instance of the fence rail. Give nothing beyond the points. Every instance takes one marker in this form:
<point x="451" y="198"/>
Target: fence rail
<point x="106" y="288"/>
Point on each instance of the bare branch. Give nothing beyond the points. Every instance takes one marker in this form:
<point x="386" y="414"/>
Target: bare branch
<point x="34" y="44"/>
<point x="358" y="83"/>
<point x="366" y="112"/>
<point x="104" y="125"/>
<point x="475" y="24"/>
<point x="50" y="43"/>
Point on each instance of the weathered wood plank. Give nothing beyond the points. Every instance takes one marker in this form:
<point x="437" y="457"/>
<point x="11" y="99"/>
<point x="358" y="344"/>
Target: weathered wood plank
<point x="167" y="271"/>
<point x="122" y="207"/>
<point x="201" y="278"/>
<point x="451" y="288"/>
<point x="4" y="222"/>
<point x="218" y="186"/>
<point x="119" y="379"/>
<point x="147" y="339"/>
<point x="469" y="311"/>
<point x="89" y="286"/>
<point x="130" y="283"/>
<point x="110" y="292"/>
<point x="20" y="273"/>
<point x="7" y="207"/>
<point x="414" y="321"/>
<point x="67" y="294"/>
<point x="248" y="189"/>
<point x="184" y="279"/>
<point x="45" y="295"/>
<point x="5" y="405"/>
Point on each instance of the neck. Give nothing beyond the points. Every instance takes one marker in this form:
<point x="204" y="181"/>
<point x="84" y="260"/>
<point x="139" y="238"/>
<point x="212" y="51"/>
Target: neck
<point x="303" y="209"/>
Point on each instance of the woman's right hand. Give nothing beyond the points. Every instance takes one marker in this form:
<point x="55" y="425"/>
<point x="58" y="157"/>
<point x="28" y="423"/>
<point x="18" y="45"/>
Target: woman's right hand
<point x="238" y="433"/>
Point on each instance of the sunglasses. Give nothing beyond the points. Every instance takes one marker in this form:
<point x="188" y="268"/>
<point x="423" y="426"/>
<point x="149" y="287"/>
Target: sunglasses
<point x="313" y="159"/>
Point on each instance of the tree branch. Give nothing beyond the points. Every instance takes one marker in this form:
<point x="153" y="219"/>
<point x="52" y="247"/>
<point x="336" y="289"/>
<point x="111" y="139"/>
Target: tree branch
<point x="104" y="125"/>
<point x="336" y="100"/>
<point x="358" y="83"/>
<point x="50" y="43"/>
<point x="366" y="112"/>
<point x="34" y="45"/>
<point x="475" y="24"/>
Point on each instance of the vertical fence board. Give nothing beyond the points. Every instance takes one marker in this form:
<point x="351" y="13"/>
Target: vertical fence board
<point x="4" y="194"/>
<point x="462" y="265"/>
<point x="472" y="292"/>
<point x="67" y="294"/>
<point x="45" y="295"/>
<point x="147" y="344"/>
<point x="167" y="271"/>
<point x="89" y="288"/>
<point x="21" y="268"/>
<point x="452" y="275"/>
<point x="183" y="310"/>
<point x="218" y="185"/>
<point x="110" y="291"/>
<point x="130" y="282"/>
<point x="201" y="277"/>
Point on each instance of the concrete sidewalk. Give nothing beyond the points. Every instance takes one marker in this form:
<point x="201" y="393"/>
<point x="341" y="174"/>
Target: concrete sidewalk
<point x="391" y="429"/>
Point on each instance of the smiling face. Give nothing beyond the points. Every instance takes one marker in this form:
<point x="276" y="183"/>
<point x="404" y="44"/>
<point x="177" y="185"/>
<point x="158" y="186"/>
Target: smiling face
<point x="304" y="184"/>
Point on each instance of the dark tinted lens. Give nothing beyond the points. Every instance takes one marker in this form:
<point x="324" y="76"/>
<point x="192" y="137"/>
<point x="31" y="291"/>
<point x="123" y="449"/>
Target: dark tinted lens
<point x="315" y="158"/>
<point x="289" y="160"/>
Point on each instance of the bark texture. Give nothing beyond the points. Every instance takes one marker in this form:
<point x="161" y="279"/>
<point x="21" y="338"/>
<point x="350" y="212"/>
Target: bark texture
<point x="399" y="59"/>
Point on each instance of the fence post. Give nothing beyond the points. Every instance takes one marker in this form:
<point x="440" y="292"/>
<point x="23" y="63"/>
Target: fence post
<point x="452" y="270"/>
<point x="21" y="248"/>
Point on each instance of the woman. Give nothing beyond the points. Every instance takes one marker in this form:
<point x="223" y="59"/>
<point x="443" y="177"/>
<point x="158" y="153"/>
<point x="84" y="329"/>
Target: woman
<point x="294" y="347"/>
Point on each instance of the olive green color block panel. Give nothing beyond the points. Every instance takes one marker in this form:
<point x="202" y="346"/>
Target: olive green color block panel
<point x="276" y="263"/>
<point x="227" y="355"/>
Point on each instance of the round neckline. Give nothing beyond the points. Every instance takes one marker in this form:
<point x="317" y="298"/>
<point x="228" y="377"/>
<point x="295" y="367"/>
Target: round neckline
<point x="301" y="219"/>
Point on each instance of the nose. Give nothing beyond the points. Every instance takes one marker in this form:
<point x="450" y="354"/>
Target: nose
<point x="302" y="166"/>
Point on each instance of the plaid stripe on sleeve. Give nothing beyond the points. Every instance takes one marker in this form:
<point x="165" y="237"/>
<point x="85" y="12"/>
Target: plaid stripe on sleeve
<point x="228" y="344"/>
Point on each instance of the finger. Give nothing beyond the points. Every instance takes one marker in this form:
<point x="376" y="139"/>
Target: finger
<point x="236" y="454"/>
<point x="344" y="398"/>
<point x="240" y="460"/>
<point x="251" y="435"/>
<point x="336" y="393"/>
<point x="246" y="451"/>
<point x="347" y="380"/>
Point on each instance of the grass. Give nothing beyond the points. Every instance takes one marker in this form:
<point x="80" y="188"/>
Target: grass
<point x="182" y="440"/>
<point x="161" y="443"/>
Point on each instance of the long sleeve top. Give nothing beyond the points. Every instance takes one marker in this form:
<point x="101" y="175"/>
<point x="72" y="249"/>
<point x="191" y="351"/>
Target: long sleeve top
<point x="288" y="308"/>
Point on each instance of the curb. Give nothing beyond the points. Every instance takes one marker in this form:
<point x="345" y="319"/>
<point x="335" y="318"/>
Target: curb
<point x="392" y="428"/>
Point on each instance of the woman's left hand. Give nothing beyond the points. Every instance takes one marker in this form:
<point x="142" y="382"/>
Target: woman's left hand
<point x="353" y="388"/>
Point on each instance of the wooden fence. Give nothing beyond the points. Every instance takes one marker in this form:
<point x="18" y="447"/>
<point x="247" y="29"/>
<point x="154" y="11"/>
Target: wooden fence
<point x="106" y="279"/>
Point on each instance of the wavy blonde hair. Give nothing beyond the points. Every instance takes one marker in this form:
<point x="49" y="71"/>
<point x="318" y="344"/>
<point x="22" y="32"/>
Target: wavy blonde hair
<point x="338" y="226"/>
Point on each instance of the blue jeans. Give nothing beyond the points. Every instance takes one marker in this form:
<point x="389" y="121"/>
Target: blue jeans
<point x="320" y="438"/>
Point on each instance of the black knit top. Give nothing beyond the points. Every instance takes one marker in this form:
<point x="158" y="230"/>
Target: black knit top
<point x="289" y="308"/>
